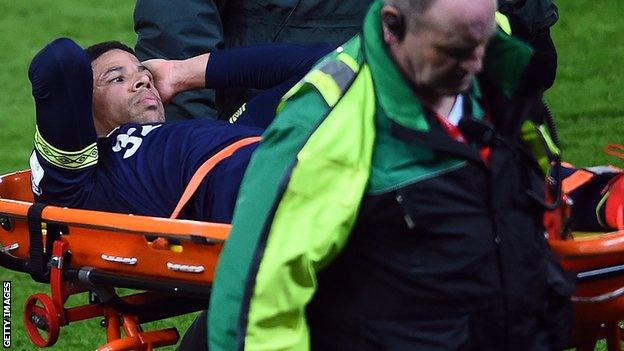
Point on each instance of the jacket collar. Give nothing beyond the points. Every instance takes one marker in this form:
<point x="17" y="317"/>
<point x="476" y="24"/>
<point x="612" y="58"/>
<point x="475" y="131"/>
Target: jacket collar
<point x="394" y="94"/>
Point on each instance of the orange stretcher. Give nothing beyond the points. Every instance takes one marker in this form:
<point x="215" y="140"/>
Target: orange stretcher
<point x="173" y="261"/>
<point x="80" y="251"/>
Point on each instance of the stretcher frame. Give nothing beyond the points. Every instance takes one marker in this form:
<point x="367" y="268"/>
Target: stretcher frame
<point x="81" y="251"/>
<point x="174" y="261"/>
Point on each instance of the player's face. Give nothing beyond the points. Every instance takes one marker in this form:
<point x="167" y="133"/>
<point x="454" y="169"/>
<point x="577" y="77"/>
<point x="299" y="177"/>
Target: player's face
<point x="123" y="92"/>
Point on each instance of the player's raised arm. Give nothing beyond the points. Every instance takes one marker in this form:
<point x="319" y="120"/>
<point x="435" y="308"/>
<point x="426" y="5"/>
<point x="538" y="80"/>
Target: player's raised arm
<point x="256" y="67"/>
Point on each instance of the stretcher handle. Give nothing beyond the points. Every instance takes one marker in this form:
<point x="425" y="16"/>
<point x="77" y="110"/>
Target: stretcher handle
<point x="92" y="277"/>
<point x="142" y="225"/>
<point x="604" y="244"/>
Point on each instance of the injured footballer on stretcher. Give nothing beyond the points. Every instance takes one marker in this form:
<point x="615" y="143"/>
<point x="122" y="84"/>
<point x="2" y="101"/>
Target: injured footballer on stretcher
<point x="101" y="141"/>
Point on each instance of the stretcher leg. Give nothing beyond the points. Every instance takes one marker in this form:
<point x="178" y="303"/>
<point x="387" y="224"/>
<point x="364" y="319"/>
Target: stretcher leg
<point x="135" y="338"/>
<point x="613" y="336"/>
<point x="112" y="325"/>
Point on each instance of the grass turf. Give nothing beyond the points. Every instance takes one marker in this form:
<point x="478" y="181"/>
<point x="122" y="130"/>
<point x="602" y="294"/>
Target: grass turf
<point x="587" y="100"/>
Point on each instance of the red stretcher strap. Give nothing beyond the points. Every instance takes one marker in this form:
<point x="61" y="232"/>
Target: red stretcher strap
<point x="205" y="168"/>
<point x="456" y="134"/>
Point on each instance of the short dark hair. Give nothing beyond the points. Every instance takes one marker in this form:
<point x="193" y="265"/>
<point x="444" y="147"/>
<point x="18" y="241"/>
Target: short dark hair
<point x="97" y="50"/>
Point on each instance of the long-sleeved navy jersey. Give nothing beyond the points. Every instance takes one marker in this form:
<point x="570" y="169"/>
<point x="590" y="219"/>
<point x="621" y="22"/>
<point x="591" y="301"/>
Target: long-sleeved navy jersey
<point x="144" y="168"/>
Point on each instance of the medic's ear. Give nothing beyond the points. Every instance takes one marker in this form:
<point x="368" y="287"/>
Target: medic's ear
<point x="394" y="21"/>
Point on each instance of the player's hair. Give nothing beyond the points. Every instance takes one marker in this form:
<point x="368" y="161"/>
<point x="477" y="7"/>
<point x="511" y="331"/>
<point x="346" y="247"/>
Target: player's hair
<point x="97" y="50"/>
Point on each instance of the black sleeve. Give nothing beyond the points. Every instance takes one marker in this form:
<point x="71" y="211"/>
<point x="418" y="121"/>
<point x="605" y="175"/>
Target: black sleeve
<point x="530" y="22"/>
<point x="262" y="66"/>
<point x="529" y="18"/>
<point x="542" y="69"/>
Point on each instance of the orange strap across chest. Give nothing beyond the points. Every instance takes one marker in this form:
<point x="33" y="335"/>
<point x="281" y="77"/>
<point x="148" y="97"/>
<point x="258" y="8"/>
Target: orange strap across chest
<point x="205" y="168"/>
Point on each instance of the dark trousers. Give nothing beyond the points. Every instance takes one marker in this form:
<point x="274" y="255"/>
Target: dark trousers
<point x="195" y="338"/>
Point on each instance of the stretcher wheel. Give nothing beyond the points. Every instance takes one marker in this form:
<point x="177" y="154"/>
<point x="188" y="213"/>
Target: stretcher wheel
<point x="41" y="315"/>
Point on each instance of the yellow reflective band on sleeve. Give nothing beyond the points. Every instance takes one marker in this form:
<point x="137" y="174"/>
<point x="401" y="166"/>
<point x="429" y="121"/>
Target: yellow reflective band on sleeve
<point x="66" y="159"/>
<point x="503" y="22"/>
<point x="349" y="61"/>
<point x="331" y="78"/>
<point x="326" y="85"/>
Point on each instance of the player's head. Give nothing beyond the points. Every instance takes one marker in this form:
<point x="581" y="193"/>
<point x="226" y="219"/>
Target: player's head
<point x="123" y="89"/>
<point x="438" y="45"/>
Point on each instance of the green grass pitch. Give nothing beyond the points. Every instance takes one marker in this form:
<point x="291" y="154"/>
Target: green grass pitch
<point x="587" y="100"/>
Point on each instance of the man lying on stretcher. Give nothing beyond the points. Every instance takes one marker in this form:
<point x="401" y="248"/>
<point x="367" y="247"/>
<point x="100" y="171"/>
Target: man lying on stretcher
<point x="101" y="141"/>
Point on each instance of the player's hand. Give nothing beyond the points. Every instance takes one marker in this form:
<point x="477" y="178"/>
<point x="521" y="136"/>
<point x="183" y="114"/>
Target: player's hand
<point x="164" y="75"/>
<point x="175" y="76"/>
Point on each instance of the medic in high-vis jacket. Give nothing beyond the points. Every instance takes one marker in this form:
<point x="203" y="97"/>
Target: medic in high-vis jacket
<point x="396" y="202"/>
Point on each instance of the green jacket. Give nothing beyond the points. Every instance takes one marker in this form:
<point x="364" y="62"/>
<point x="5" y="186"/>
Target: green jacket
<point x="291" y="21"/>
<point x="330" y="146"/>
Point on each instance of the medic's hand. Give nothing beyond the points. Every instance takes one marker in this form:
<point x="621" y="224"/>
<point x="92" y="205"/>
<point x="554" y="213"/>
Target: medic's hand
<point x="164" y="75"/>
